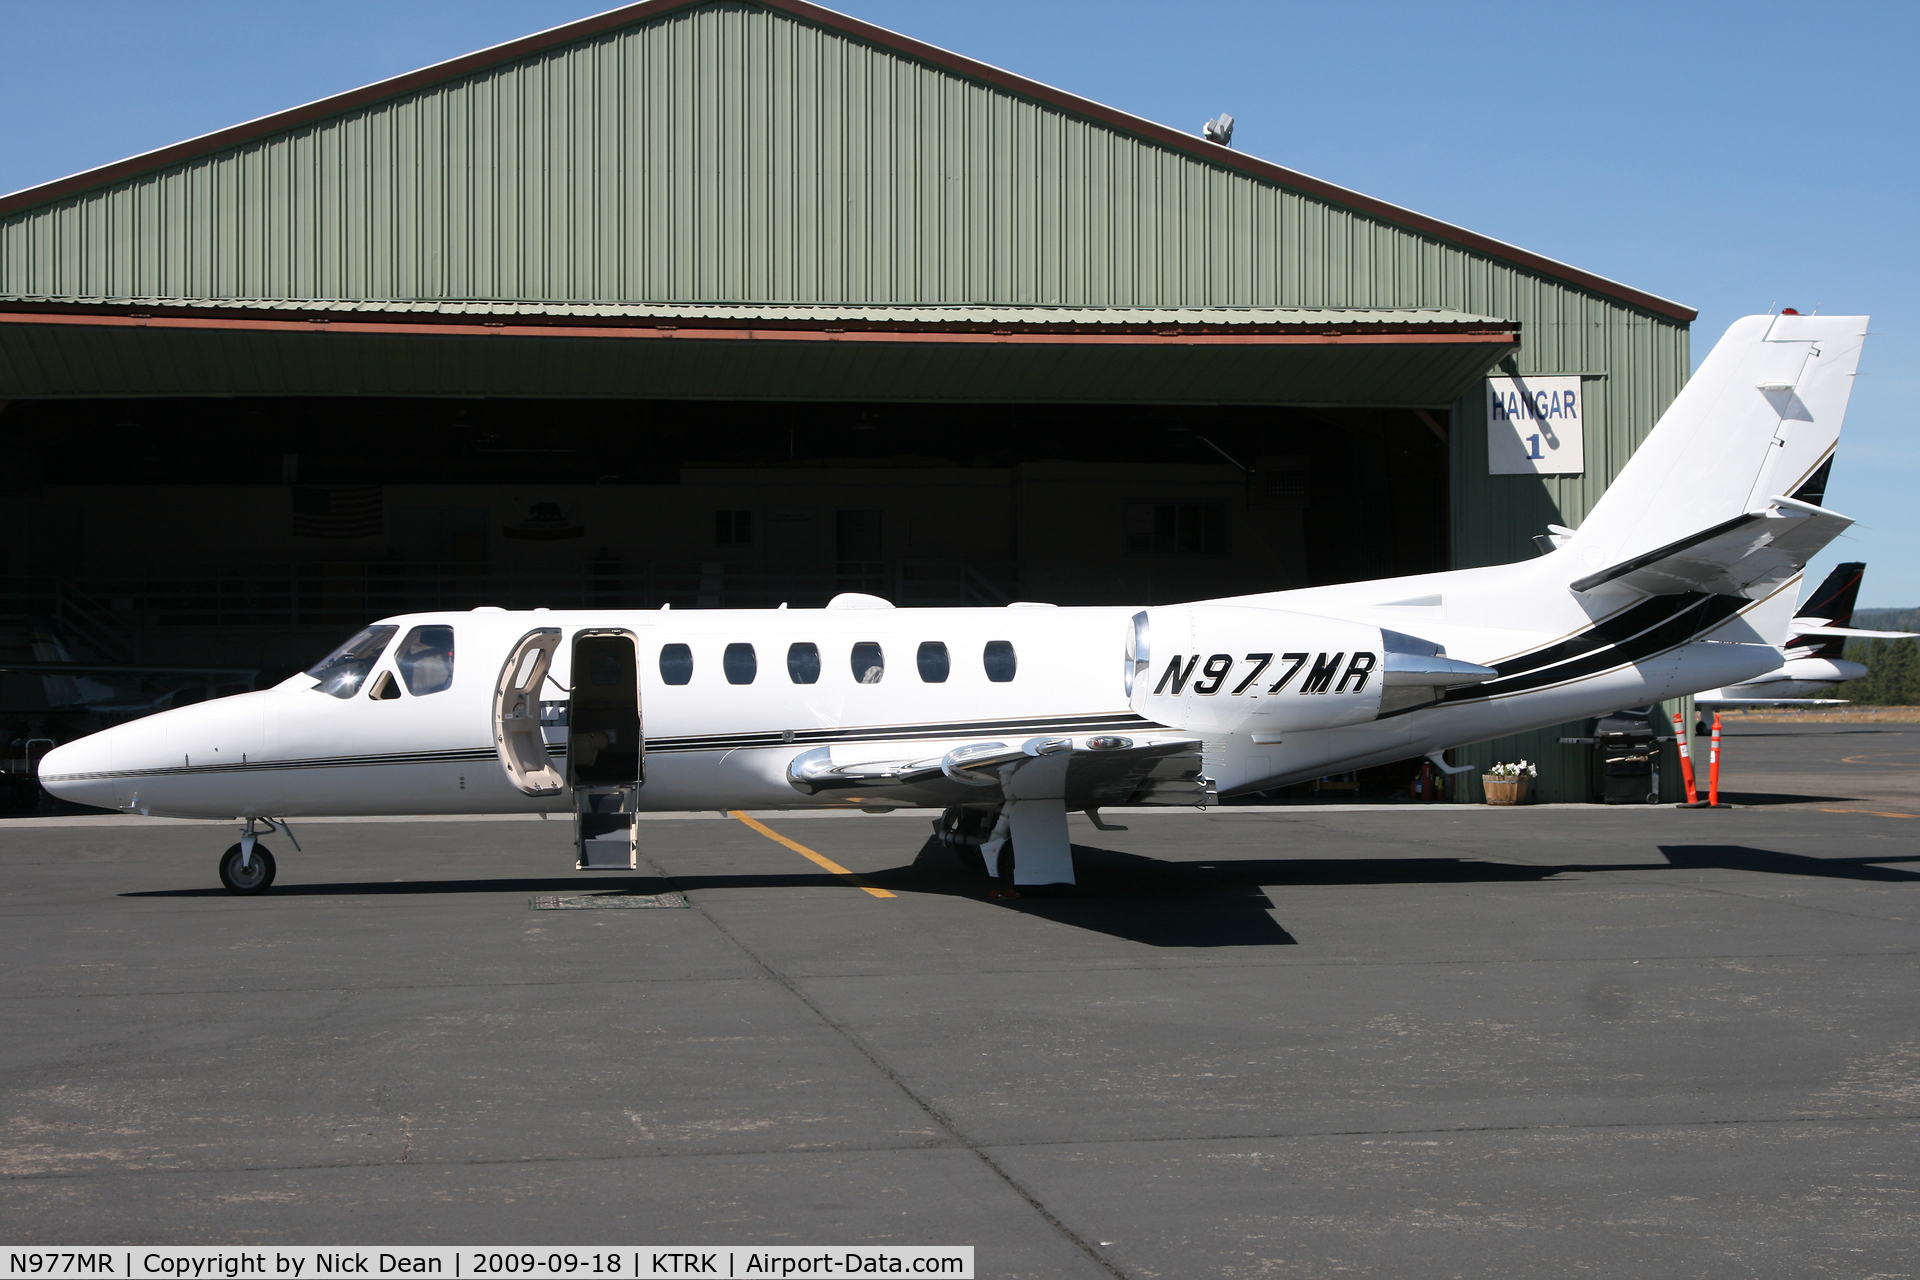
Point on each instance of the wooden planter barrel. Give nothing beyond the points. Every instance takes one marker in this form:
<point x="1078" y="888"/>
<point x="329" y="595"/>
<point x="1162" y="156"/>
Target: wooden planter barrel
<point x="1505" y="790"/>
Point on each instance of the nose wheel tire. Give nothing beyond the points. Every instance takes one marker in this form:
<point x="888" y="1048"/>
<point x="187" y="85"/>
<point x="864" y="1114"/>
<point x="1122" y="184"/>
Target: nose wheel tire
<point x="250" y="879"/>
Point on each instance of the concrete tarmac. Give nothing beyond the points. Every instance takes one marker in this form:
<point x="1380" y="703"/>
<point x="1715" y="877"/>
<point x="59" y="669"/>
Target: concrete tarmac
<point x="1398" y="1041"/>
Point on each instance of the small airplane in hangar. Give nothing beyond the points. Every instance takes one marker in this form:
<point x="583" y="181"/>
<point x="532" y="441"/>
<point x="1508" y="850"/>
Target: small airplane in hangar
<point x="1683" y="577"/>
<point x="1812" y="658"/>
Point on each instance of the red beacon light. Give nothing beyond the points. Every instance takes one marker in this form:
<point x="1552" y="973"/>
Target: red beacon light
<point x="1788" y="311"/>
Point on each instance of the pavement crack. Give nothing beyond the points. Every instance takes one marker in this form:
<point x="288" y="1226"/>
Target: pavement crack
<point x="926" y="1106"/>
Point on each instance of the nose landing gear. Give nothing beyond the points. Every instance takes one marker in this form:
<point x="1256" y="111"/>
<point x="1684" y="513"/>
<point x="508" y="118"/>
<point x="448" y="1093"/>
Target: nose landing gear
<point x="246" y="871"/>
<point x="248" y="867"/>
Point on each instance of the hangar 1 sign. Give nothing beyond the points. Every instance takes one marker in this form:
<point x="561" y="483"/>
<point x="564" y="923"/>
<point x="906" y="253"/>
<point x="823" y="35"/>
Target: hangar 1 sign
<point x="1534" y="427"/>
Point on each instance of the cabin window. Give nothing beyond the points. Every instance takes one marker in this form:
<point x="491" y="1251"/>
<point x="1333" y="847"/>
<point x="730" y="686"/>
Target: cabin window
<point x="425" y="659"/>
<point x="676" y="664"/>
<point x="1000" y="661"/>
<point x="342" y="672"/>
<point x="869" y="664"/>
<point x="385" y="688"/>
<point x="803" y="662"/>
<point x="740" y="664"/>
<point x="933" y="661"/>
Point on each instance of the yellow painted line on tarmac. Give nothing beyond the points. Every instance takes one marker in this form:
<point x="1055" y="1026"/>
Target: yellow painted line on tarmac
<point x="805" y="852"/>
<point x="1878" y="813"/>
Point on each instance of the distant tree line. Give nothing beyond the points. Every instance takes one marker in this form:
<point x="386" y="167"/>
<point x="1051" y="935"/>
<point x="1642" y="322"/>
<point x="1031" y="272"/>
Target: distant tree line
<point x="1893" y="666"/>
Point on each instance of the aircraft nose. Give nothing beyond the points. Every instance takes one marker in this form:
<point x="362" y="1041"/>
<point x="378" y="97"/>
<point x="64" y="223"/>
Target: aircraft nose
<point x="82" y="771"/>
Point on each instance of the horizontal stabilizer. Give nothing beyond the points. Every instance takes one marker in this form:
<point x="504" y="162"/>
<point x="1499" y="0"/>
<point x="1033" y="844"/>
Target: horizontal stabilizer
<point x="1747" y="555"/>
<point x="1853" y="633"/>
<point x="1704" y="701"/>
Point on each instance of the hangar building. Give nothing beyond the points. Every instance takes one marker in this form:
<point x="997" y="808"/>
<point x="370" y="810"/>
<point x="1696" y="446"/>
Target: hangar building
<point x="739" y="302"/>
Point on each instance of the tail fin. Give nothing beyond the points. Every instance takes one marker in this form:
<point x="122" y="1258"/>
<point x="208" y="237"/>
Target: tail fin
<point x="1824" y="624"/>
<point x="1830" y="605"/>
<point x="1759" y="419"/>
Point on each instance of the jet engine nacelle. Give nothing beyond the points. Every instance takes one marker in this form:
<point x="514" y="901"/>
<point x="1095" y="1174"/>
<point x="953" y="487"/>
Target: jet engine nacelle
<point x="1210" y="668"/>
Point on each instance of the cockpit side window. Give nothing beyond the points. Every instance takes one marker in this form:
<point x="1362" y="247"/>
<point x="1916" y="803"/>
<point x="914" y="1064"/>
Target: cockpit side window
<point x="342" y="672"/>
<point x="425" y="659"/>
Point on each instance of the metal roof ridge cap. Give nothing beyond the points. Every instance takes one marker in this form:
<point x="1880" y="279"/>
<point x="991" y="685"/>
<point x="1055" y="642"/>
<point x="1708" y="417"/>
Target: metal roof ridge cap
<point x="905" y="312"/>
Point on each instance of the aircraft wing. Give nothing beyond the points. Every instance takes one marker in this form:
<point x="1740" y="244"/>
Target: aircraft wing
<point x="1755" y="550"/>
<point x="1772" y="702"/>
<point x="1101" y="770"/>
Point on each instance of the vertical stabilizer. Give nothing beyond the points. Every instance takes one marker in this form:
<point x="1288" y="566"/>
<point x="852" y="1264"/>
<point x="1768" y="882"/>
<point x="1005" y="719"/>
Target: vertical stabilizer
<point x="1832" y="603"/>
<point x="1760" y="418"/>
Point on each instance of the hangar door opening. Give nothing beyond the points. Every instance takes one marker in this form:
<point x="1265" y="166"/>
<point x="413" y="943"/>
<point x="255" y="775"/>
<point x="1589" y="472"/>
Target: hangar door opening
<point x="249" y="531"/>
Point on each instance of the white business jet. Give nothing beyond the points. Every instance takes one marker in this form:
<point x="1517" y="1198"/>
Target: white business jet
<point x="1812" y="660"/>
<point x="1683" y="577"/>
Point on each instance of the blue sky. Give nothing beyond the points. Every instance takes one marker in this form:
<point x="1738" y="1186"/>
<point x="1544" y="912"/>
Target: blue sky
<point x="1735" y="157"/>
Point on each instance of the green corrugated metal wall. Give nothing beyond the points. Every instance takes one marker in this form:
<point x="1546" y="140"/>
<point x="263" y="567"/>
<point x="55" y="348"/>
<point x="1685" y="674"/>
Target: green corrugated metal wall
<point x="726" y="153"/>
<point x="1632" y="366"/>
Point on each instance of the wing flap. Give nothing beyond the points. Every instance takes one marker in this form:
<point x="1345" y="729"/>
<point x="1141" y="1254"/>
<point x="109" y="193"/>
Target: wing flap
<point x="1160" y="770"/>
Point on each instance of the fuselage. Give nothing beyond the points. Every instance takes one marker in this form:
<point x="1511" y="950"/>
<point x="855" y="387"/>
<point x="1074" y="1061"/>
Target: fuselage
<point x="729" y="698"/>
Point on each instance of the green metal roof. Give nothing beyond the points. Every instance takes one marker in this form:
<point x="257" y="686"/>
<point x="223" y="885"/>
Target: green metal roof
<point x="768" y="150"/>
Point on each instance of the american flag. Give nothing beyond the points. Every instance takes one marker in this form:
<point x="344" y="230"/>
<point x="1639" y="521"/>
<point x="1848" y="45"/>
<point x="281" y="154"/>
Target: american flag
<point x="336" y="511"/>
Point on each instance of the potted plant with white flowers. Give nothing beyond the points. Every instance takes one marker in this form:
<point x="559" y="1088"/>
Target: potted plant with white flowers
<point x="1507" y="782"/>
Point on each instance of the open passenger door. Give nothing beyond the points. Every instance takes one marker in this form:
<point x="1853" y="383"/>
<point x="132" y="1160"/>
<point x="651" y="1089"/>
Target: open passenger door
<point x="516" y="715"/>
<point x="606" y="749"/>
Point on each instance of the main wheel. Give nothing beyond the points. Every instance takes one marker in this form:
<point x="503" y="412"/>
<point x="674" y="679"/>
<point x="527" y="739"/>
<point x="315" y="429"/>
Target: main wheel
<point x="252" y="878"/>
<point x="962" y="830"/>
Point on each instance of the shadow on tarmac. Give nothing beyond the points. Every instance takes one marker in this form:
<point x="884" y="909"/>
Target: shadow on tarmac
<point x="1137" y="898"/>
<point x="1815" y="733"/>
<point x="1781" y="797"/>
<point x="1736" y="857"/>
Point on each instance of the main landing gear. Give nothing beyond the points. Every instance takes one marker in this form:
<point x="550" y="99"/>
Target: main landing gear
<point x="964" y="830"/>
<point x="248" y="867"/>
<point x="980" y="839"/>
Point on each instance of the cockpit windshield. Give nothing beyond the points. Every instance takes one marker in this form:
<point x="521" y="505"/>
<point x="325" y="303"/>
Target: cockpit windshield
<point x="342" y="672"/>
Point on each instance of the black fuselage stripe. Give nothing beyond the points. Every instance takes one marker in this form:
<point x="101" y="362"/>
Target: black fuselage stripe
<point x="1608" y="632"/>
<point x="1697" y="616"/>
<point x="657" y="746"/>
